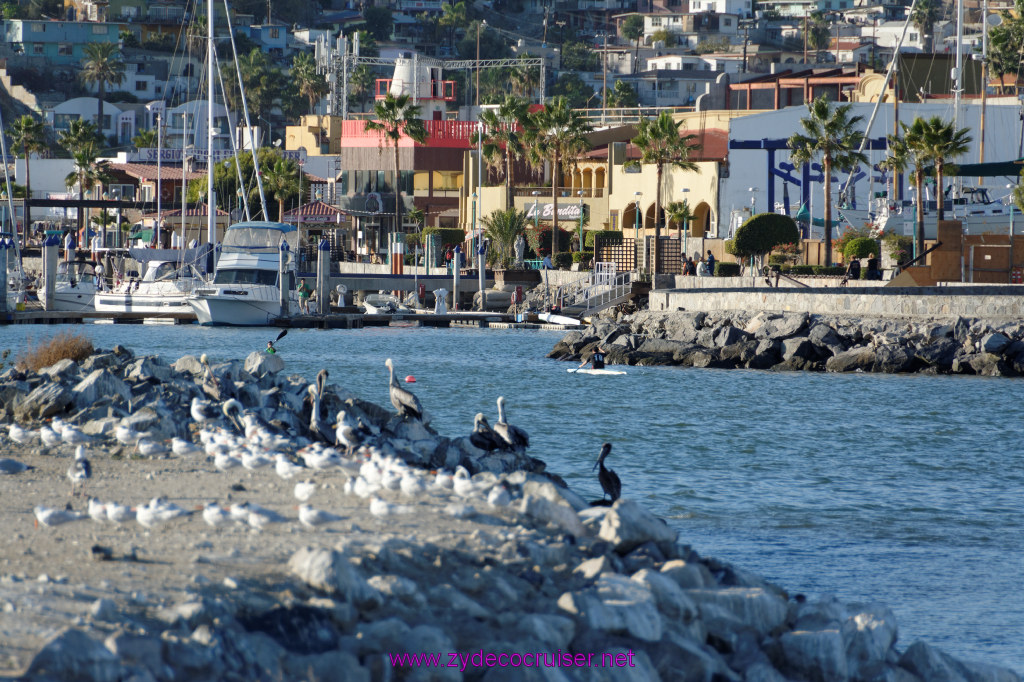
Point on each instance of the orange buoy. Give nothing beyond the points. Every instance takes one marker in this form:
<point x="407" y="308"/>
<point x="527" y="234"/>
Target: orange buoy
<point x="410" y="379"/>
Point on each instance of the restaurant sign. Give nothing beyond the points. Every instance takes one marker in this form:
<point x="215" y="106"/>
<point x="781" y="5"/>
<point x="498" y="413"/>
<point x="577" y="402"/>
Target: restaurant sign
<point x="566" y="211"/>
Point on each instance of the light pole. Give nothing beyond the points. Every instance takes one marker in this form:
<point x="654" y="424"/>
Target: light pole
<point x="1010" y="187"/>
<point x="479" y="30"/>
<point x="752" y="198"/>
<point x="636" y="228"/>
<point x="686" y="221"/>
<point x="579" y="193"/>
<point x="298" y="228"/>
<point x="536" y="215"/>
<point x="186" y="160"/>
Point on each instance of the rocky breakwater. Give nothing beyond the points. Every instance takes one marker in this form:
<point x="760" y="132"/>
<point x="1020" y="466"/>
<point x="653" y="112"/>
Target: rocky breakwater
<point x="405" y="572"/>
<point x="802" y="341"/>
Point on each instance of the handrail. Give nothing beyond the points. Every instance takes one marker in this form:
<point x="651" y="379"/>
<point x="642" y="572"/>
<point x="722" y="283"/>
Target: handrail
<point x="924" y="253"/>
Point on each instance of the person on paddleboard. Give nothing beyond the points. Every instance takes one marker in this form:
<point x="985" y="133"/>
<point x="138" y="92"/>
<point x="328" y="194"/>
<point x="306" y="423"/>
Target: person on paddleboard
<point x="596" y="360"/>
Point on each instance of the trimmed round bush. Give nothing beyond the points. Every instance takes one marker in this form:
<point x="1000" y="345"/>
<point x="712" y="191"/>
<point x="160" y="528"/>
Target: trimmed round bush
<point x="763" y="232"/>
<point x="861" y="247"/>
<point x="727" y="269"/>
<point x="563" y="260"/>
<point x="777" y="259"/>
<point x="582" y="256"/>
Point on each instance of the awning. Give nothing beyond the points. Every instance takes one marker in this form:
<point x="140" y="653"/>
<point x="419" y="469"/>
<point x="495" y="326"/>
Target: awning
<point x="987" y="170"/>
<point x="144" y="235"/>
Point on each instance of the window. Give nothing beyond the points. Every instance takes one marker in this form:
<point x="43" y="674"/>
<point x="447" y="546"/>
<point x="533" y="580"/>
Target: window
<point x="62" y="121"/>
<point x="39" y="28"/>
<point x="343" y="183"/>
<point x="726" y="22"/>
<point x="64" y="49"/>
<point x="655" y="21"/>
<point x="100" y="30"/>
<point x="140" y="85"/>
<point x="912" y="36"/>
<point x="37" y="48"/>
<point x="275" y="33"/>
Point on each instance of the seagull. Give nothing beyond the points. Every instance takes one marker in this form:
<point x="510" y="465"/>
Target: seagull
<point x="443" y="480"/>
<point x="225" y="461"/>
<point x="347" y="432"/>
<point x="147" y="447"/>
<point x="610" y="483"/>
<point x="182" y="447"/>
<point x="256" y="516"/>
<point x="407" y="404"/>
<point x="54" y="517"/>
<point x="119" y="513"/>
<point x="157" y="511"/>
<point x="215" y="515"/>
<point x="202" y="411"/>
<point x="97" y="510"/>
<point x="516" y="438"/>
<point x="73" y="436"/>
<point x="80" y="470"/>
<point x="285" y="468"/>
<point x="50" y="438"/>
<point x="304" y="490"/>
<point x="254" y="460"/>
<point x="21" y="435"/>
<point x="483" y="436"/>
<point x="462" y="484"/>
<point x="311" y="518"/>
<point x="126" y="435"/>
<point x="382" y="508"/>
<point x="12" y="466"/>
<point x="499" y="496"/>
<point x="412" y="483"/>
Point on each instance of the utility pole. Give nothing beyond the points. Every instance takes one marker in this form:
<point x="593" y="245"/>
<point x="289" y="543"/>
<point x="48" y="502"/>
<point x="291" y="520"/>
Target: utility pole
<point x="805" y="35"/>
<point x="745" y="30"/>
<point x="984" y="79"/>
<point x="544" y="40"/>
<point x="604" y="78"/>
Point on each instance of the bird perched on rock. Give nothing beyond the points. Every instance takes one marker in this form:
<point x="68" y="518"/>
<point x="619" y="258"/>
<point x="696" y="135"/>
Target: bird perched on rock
<point x="233" y="411"/>
<point x="349" y="431"/>
<point x="21" y="435"/>
<point x="407" y="404"/>
<point x="80" y="470"/>
<point x="10" y="467"/>
<point x="54" y="517"/>
<point x="318" y="428"/>
<point x="202" y="411"/>
<point x="212" y="385"/>
<point x="483" y="436"/>
<point x="516" y="438"/>
<point x="609" y="480"/>
<point x="311" y="518"/>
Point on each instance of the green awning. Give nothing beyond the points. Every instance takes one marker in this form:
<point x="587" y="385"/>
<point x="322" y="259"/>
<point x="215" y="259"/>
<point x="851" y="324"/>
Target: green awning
<point x="144" y="235"/>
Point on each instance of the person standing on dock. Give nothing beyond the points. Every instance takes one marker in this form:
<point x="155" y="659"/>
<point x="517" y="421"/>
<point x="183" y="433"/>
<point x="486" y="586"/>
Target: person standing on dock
<point x="304" y="291"/>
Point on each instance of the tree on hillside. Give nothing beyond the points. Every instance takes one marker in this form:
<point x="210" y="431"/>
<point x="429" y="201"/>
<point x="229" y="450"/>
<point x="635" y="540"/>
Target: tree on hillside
<point x="1006" y="42"/>
<point x="661" y="144"/>
<point x="633" y="29"/>
<point x="623" y="95"/>
<point x="101" y="67"/>
<point x="379" y="22"/>
<point x="924" y="16"/>
<point x="831" y="135"/>
<point x="453" y="17"/>
<point x="281" y="181"/>
<point x="556" y="134"/>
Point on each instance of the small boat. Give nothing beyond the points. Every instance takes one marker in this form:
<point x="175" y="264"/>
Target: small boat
<point x="384" y="304"/>
<point x="585" y="370"/>
<point x="164" y="288"/>
<point x="551" y="318"/>
<point x="74" y="288"/>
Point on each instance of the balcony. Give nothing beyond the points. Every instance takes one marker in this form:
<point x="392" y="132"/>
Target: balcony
<point x="453" y="134"/>
<point x="440" y="90"/>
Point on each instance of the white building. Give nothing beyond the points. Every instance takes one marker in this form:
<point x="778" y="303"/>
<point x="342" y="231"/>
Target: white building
<point x="742" y="8"/>
<point x="120" y="120"/>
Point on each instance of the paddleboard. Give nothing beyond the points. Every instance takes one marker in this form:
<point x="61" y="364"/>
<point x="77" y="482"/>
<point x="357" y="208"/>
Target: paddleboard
<point x="574" y="370"/>
<point x="558" y="319"/>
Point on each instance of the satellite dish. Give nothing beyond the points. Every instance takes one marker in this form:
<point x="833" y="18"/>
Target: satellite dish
<point x="994" y="19"/>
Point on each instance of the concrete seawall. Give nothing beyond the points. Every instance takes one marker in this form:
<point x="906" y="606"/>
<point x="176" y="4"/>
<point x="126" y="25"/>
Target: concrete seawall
<point x="988" y="302"/>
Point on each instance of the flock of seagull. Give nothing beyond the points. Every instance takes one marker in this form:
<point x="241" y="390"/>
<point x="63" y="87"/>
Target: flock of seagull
<point x="235" y="439"/>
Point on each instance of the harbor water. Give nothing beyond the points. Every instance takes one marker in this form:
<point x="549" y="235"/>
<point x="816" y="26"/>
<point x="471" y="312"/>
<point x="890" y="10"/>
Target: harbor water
<point x="906" y="490"/>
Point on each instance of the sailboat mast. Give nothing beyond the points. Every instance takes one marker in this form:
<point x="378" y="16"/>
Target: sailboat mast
<point x="957" y="88"/>
<point x="211" y="202"/>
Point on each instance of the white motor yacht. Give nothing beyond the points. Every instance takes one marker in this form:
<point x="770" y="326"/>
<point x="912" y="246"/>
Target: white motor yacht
<point x="245" y="289"/>
<point x="74" y="288"/>
<point x="164" y="288"/>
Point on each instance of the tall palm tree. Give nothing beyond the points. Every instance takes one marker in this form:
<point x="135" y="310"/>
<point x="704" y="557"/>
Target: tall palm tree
<point x="924" y="16"/>
<point x="101" y="67"/>
<point x="503" y="139"/>
<point x="940" y="141"/>
<point x="453" y="16"/>
<point x="281" y="181"/>
<point x="87" y="173"/>
<point x="27" y="136"/>
<point x="145" y="139"/>
<point x="556" y="133"/>
<point x="78" y="134"/>
<point x="661" y="144"/>
<point x="633" y="29"/>
<point x="898" y="158"/>
<point x="396" y="117"/>
<point x="831" y="135"/>
<point x="311" y="84"/>
<point x="524" y="80"/>
<point x="680" y="213"/>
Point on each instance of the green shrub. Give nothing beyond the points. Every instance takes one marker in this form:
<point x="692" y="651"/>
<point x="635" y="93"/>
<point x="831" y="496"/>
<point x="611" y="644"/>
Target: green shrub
<point x="778" y="259"/>
<point x="762" y="233"/>
<point x="563" y="260"/>
<point x="803" y="269"/>
<point x="860" y="247"/>
<point x="786" y="269"/>
<point x="409" y="259"/>
<point x="898" y="246"/>
<point x="832" y="270"/>
<point x="727" y="269"/>
<point x="582" y="256"/>
<point x="539" y="241"/>
<point x="848" y="235"/>
<point x="447" y="235"/>
<point x="607" y="236"/>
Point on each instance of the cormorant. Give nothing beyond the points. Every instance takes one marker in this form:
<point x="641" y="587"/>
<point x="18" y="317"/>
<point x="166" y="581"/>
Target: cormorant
<point x="610" y="483"/>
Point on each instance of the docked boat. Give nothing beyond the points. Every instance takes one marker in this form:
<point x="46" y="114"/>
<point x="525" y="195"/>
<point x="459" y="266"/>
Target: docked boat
<point x="384" y="304"/>
<point x="74" y="288"/>
<point x="164" y="288"/>
<point x="976" y="210"/>
<point x="246" y="290"/>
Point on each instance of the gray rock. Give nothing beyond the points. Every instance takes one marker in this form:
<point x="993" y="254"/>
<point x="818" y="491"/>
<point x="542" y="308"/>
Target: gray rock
<point x="824" y="336"/>
<point x="939" y="353"/>
<point x="103" y="609"/>
<point x="554" y="631"/>
<point x="767" y="354"/>
<point x="381" y="636"/>
<point x="860" y="358"/>
<point x="616" y="605"/>
<point x="663" y="346"/>
<point x="100" y="383"/>
<point x="932" y="665"/>
<point x="692" y="575"/>
<point x="448" y="599"/>
<point x="988" y="365"/>
<point x="73" y="655"/>
<point x="756" y="608"/>
<point x="798" y="348"/>
<point x="395" y="587"/>
<point x="44" y="401"/>
<point x="147" y="368"/>
<point x="869" y="636"/>
<point x="993" y="343"/>
<point x="326" y="666"/>
<point x="61" y="370"/>
<point x="729" y="335"/>
<point x="592" y="568"/>
<point x="144" y="650"/>
<point x="188" y="364"/>
<point x="816" y="656"/>
<point x="893" y="359"/>
<point x="627" y="525"/>
<point x="560" y="515"/>
<point x="260" y="363"/>
<point x="331" y="572"/>
<point x="789" y="324"/>
<point x="672" y="601"/>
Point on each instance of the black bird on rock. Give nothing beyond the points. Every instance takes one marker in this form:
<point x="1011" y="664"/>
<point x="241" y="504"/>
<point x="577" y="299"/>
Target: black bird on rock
<point x="407" y="404"/>
<point x="610" y="483"/>
<point x="484" y="437"/>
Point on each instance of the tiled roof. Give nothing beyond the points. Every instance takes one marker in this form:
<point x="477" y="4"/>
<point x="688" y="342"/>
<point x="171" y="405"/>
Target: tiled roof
<point x="314" y="212"/>
<point x="714" y="147"/>
<point x="198" y="211"/>
<point x="147" y="171"/>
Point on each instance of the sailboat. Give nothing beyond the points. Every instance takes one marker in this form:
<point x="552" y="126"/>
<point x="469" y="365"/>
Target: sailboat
<point x="254" y="279"/>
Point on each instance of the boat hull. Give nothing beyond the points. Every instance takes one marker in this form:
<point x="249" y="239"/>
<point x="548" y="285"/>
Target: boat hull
<point x="136" y="303"/>
<point x="71" y="301"/>
<point x="253" y="308"/>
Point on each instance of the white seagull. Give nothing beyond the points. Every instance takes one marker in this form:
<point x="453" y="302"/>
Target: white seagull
<point x="80" y="470"/>
<point x="97" y="510"/>
<point x="311" y="518"/>
<point x="126" y="435"/>
<point x="147" y="447"/>
<point x="119" y="513"/>
<point x="202" y="411"/>
<point x="462" y="484"/>
<point x="215" y="515"/>
<point x="304" y="490"/>
<point x="21" y="435"/>
<point x="285" y="468"/>
<point x="50" y="438"/>
<point x="382" y="508"/>
<point x="157" y="511"/>
<point x="54" y="517"/>
<point x="183" y="448"/>
<point x="73" y="436"/>
<point x="499" y="496"/>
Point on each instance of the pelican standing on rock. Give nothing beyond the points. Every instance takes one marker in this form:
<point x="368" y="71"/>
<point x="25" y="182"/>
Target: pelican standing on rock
<point x="610" y="483"/>
<point x="513" y="435"/>
<point x="407" y="404"/>
<point x="483" y="436"/>
<point x="317" y="426"/>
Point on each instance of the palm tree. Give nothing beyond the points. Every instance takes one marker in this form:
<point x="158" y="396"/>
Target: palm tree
<point x="557" y="134"/>
<point x="633" y="29"/>
<point x="88" y="174"/>
<point x="661" y="144"/>
<point x="453" y="16"/>
<point x="503" y="227"/>
<point x="102" y="66"/>
<point x="680" y="213"/>
<point x="924" y="16"/>
<point x="940" y="141"/>
<point x="27" y="134"/>
<point x="311" y="84"/>
<point x="78" y="134"/>
<point x="281" y="181"/>
<point x="145" y="139"/>
<point x="524" y="80"/>
<point x="900" y="155"/>
<point x="397" y="117"/>
<point x="832" y="135"/>
<point x="502" y="140"/>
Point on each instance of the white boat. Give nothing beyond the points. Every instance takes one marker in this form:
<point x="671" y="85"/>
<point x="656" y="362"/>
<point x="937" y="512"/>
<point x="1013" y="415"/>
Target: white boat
<point x="245" y="288"/>
<point x="164" y="288"/>
<point x="585" y="370"/>
<point x="551" y="318"/>
<point x="977" y="211"/>
<point x="74" y="288"/>
<point x="384" y="304"/>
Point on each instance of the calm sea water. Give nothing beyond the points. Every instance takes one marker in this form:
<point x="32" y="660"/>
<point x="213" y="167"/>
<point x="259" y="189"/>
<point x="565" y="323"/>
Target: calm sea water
<point x="903" y="489"/>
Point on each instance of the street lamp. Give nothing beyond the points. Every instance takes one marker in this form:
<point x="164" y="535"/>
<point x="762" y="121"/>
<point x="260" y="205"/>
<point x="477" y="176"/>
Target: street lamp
<point x="479" y="30"/>
<point x="536" y="215"/>
<point x="298" y="227"/>
<point x="686" y="222"/>
<point x="752" y="198"/>
<point x="579" y="193"/>
<point x="636" y="227"/>
<point x="1010" y="187"/>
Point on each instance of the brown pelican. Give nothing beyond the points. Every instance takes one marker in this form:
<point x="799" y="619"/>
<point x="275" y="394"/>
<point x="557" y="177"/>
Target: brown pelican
<point x="407" y="404"/>
<point x="212" y="385"/>
<point x="233" y="411"/>
<point x="610" y="483"/>
<point x="317" y="426"/>
<point x="516" y="438"/>
<point x="484" y="437"/>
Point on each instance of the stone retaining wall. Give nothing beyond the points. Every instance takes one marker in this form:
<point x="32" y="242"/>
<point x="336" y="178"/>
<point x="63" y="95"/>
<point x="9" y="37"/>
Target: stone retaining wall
<point x="990" y="302"/>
